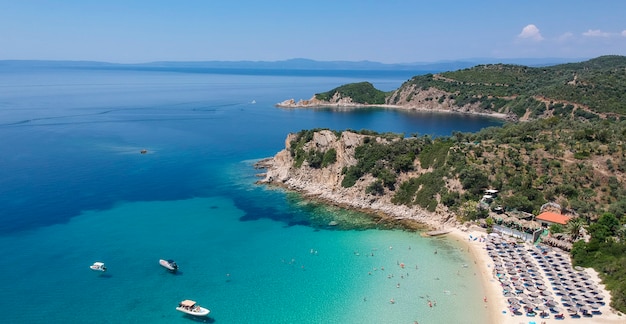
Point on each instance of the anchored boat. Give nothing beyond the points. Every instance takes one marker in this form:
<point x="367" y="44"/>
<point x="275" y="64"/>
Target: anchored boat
<point x="190" y="307"/>
<point x="98" y="266"/>
<point x="169" y="264"/>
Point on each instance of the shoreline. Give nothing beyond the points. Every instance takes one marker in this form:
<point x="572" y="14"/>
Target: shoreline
<point x="290" y="104"/>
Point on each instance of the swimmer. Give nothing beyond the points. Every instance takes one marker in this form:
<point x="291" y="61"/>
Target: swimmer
<point x="398" y="285"/>
<point x="392" y="301"/>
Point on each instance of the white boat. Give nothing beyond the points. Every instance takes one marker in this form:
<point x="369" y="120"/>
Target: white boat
<point x="190" y="307"/>
<point x="98" y="266"/>
<point x="169" y="264"/>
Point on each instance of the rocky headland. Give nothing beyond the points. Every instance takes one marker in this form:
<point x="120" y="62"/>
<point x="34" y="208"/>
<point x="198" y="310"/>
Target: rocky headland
<point x="324" y="184"/>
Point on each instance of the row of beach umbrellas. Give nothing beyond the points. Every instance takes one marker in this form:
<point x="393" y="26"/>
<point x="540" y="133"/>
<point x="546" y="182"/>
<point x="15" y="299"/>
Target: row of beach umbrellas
<point x="531" y="277"/>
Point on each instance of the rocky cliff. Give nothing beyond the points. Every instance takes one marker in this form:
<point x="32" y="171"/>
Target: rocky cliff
<point x="325" y="183"/>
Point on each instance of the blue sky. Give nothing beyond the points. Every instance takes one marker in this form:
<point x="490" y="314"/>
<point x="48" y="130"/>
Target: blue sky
<point x="390" y="31"/>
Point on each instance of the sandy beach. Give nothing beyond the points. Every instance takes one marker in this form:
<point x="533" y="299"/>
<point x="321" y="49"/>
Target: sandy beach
<point x="496" y="302"/>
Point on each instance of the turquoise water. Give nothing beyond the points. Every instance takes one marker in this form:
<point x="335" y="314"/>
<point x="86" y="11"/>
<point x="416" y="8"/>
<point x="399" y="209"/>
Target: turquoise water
<point x="75" y="190"/>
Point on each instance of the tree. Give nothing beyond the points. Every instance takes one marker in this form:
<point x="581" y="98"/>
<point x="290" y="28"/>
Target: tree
<point x="574" y="226"/>
<point x="474" y="180"/>
<point x="610" y="222"/>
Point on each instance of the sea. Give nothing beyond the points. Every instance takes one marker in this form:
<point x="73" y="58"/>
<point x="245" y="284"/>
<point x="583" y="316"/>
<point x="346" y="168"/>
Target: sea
<point x="75" y="189"/>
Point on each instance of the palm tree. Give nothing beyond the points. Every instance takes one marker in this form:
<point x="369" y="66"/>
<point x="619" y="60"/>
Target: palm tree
<point x="574" y="226"/>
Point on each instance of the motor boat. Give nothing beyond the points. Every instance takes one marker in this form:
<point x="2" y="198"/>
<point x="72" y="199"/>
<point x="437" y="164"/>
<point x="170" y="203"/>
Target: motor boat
<point x="98" y="266"/>
<point x="169" y="265"/>
<point x="190" y="307"/>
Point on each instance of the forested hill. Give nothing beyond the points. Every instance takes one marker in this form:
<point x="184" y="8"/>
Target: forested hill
<point x="594" y="89"/>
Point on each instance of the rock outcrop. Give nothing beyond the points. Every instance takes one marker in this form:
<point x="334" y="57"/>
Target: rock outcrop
<point x="336" y="101"/>
<point x="325" y="183"/>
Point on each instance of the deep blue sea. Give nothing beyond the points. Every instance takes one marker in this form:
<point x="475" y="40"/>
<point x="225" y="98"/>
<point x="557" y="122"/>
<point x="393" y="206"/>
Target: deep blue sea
<point x="74" y="189"/>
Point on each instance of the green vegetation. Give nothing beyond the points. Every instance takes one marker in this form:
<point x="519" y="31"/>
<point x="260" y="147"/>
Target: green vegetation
<point x="315" y="158"/>
<point x="362" y="92"/>
<point x="606" y="252"/>
<point x="598" y="84"/>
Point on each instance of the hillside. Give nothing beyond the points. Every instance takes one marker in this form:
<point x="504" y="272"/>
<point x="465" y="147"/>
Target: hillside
<point x="594" y="89"/>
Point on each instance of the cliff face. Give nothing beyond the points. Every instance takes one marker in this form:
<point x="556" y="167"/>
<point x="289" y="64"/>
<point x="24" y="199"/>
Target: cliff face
<point x="325" y="183"/>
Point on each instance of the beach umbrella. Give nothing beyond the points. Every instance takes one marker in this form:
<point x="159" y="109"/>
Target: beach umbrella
<point x="544" y="293"/>
<point x="551" y="303"/>
<point x="531" y="288"/>
<point x="555" y="309"/>
<point x="541" y="307"/>
<point x="572" y="310"/>
<point x="525" y="301"/>
<point x="538" y="301"/>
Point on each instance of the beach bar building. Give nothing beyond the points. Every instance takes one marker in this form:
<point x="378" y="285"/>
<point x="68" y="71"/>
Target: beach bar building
<point x="548" y="218"/>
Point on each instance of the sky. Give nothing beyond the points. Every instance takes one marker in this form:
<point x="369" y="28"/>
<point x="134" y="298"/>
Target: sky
<point x="389" y="31"/>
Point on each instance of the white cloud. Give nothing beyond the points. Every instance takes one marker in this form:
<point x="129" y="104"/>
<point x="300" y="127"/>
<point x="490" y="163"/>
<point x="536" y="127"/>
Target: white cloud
<point x="531" y="32"/>
<point x="624" y="33"/>
<point x="566" y="36"/>
<point x="596" y="33"/>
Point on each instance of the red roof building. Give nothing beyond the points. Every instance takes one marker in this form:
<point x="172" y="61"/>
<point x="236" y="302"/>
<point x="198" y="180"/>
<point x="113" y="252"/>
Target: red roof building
<point x="549" y="218"/>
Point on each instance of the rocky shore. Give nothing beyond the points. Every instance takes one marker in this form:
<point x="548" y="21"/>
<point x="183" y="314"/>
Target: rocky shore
<point x="324" y="184"/>
<point x="407" y="100"/>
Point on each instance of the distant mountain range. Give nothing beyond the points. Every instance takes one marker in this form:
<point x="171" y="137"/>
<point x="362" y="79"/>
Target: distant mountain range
<point x="292" y="64"/>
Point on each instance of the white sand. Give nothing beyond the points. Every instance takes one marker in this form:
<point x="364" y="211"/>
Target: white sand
<point x="496" y="302"/>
